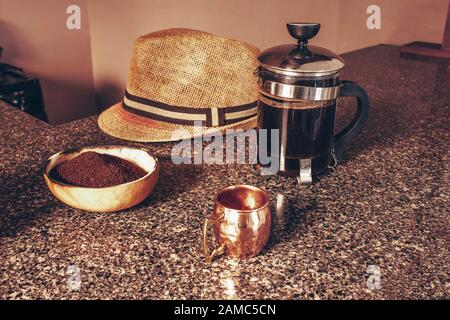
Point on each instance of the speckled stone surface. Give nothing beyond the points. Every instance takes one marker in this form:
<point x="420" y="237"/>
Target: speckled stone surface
<point x="386" y="205"/>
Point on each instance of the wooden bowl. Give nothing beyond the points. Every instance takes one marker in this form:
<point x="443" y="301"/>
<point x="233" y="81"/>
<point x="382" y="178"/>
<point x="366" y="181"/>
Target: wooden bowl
<point x="108" y="199"/>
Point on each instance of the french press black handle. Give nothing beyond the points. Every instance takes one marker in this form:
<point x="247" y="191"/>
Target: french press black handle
<point x="351" y="89"/>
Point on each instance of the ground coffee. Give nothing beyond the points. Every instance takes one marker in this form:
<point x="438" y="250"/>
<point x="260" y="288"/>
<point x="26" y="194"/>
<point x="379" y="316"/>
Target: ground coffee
<point x="96" y="170"/>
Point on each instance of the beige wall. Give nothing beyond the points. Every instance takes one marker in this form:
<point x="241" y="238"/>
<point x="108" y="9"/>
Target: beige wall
<point x="402" y="21"/>
<point x="79" y="69"/>
<point x="34" y="36"/>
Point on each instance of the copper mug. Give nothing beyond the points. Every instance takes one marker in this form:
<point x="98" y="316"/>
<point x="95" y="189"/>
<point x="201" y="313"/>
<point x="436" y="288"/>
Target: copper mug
<point x="241" y="222"/>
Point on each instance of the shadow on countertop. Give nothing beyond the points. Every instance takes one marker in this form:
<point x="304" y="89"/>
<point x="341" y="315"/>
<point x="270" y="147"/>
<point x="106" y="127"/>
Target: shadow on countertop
<point x="23" y="202"/>
<point x="291" y="216"/>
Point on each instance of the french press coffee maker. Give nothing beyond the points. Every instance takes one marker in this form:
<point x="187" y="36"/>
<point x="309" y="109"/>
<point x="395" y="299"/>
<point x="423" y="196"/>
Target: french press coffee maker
<point x="299" y="86"/>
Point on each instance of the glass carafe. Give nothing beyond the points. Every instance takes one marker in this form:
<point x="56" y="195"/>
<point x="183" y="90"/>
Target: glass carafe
<point x="299" y="88"/>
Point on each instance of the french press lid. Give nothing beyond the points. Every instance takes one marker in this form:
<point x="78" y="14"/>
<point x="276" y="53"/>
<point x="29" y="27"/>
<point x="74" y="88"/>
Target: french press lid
<point x="301" y="60"/>
<point x="300" y="72"/>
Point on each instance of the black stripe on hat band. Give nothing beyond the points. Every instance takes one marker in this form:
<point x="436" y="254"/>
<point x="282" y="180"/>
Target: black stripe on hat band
<point x="210" y="117"/>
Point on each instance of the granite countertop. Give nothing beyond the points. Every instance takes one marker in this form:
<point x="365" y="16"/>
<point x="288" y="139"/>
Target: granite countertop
<point x="385" y="206"/>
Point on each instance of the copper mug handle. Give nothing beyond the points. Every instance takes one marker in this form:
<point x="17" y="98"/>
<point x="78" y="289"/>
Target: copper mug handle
<point x="209" y="221"/>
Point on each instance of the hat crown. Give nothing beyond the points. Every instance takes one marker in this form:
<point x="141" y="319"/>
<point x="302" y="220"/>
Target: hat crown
<point x="194" y="69"/>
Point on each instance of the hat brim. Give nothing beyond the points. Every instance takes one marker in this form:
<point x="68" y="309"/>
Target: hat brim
<point x="120" y="123"/>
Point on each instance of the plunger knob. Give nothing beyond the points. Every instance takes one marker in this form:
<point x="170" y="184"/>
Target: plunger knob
<point x="303" y="31"/>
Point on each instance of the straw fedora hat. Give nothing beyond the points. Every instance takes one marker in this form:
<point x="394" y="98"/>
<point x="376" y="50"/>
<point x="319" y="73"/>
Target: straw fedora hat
<point x="186" y="82"/>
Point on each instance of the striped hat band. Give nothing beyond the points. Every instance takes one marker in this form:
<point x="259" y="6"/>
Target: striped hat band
<point x="209" y="117"/>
